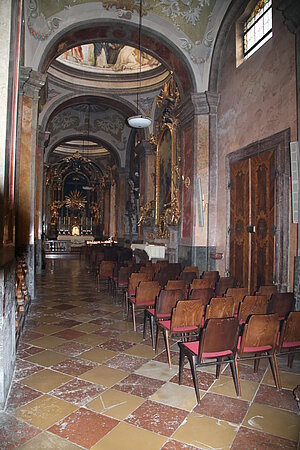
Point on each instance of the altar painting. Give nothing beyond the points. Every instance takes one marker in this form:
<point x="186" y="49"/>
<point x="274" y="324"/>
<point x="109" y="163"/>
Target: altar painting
<point x="165" y="155"/>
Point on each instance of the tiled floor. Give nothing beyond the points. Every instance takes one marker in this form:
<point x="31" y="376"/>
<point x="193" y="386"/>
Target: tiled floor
<point x="84" y="379"/>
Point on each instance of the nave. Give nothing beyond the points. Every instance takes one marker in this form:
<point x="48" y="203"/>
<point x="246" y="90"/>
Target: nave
<point x="85" y="379"/>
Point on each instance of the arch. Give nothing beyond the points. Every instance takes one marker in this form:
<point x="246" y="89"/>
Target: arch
<point x="88" y="28"/>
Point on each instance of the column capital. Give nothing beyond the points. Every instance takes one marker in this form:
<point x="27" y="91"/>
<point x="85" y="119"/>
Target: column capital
<point x="205" y="102"/>
<point x="43" y="138"/>
<point x="32" y="82"/>
<point x="123" y="172"/>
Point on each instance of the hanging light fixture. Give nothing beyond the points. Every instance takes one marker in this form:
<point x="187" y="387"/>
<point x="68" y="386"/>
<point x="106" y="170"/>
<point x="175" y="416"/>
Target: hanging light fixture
<point x="139" y="121"/>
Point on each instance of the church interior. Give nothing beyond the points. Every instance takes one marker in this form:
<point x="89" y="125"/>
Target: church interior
<point x="149" y="189"/>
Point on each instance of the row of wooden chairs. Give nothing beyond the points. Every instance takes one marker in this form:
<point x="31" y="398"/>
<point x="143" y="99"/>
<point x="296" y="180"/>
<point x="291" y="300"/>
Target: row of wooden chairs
<point x="220" y="342"/>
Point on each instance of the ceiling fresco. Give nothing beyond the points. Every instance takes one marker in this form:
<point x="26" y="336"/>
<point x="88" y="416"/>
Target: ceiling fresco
<point x="107" y="57"/>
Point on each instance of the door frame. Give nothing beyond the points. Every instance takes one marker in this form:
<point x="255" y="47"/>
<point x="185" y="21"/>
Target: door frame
<point x="278" y="142"/>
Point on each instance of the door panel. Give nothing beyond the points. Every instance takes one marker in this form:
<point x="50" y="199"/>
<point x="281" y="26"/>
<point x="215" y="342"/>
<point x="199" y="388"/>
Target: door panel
<point x="262" y="216"/>
<point x="239" y="219"/>
<point x="252" y="220"/>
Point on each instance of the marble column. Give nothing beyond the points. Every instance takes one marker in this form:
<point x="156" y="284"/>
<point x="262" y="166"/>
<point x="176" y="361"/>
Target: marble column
<point x="43" y="138"/>
<point x="26" y="193"/>
<point x="198" y="118"/>
<point x="10" y="19"/>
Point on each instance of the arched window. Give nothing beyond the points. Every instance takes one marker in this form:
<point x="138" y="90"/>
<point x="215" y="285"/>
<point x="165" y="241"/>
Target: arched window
<point x="258" y="27"/>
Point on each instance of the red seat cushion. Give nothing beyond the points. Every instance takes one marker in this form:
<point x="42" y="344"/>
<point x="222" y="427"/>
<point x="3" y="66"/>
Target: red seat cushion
<point x="291" y="344"/>
<point x="194" y="347"/>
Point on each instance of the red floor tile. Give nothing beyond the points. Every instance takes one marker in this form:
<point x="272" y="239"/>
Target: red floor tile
<point x="247" y="439"/>
<point x="74" y="366"/>
<point x="14" y="432"/>
<point x="78" y="392"/>
<point x="139" y="385"/>
<point x="222" y="407"/>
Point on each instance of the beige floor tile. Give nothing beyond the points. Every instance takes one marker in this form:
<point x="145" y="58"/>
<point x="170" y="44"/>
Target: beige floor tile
<point x="91" y="339"/>
<point x="44" y="411"/>
<point x="48" y="329"/>
<point x="178" y="396"/>
<point x="158" y="370"/>
<point x="104" y="375"/>
<point x="87" y="327"/>
<point x="48" y="341"/>
<point x="48" y="441"/>
<point x="50" y="319"/>
<point x="288" y="380"/>
<point x="145" y="351"/>
<point x="116" y="404"/>
<point x="122" y="326"/>
<point x="277" y="422"/>
<point x="225" y="386"/>
<point x="47" y="358"/>
<point x="98" y="355"/>
<point x="131" y="336"/>
<point x="129" y="437"/>
<point x="206" y="433"/>
<point x="82" y="317"/>
<point x="46" y="380"/>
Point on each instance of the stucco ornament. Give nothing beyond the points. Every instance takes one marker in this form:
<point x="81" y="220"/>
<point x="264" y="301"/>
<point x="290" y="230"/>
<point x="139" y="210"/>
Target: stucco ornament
<point x="40" y="27"/>
<point x="188" y="10"/>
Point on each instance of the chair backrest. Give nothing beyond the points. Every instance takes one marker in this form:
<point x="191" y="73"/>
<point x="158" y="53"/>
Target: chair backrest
<point x="187" y="313"/>
<point x="192" y="269"/>
<point x="220" y="307"/>
<point x="261" y="331"/>
<point x="202" y="294"/>
<point x="188" y="277"/>
<point x="124" y="274"/>
<point x="166" y="300"/>
<point x="135" y="279"/>
<point x="146" y="291"/>
<point x="176" y="284"/>
<point x="266" y="290"/>
<point x="106" y="268"/>
<point x="219" y="335"/>
<point x="212" y="275"/>
<point x="223" y="284"/>
<point x="252" y="304"/>
<point x="201" y="283"/>
<point x="291" y="329"/>
<point x="237" y="294"/>
<point x="281" y="303"/>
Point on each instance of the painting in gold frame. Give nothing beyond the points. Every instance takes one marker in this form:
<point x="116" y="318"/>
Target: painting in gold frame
<point x="165" y="160"/>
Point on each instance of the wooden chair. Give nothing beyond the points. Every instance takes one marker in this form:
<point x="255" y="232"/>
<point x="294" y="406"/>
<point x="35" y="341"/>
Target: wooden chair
<point x="252" y="304"/>
<point x="267" y="290"/>
<point x="237" y="294"/>
<point x="134" y="279"/>
<point x="175" y="285"/>
<point x="201" y="283"/>
<point x="204" y="294"/>
<point x="145" y="297"/>
<point x="165" y="301"/>
<point x="220" y="307"/>
<point x="105" y="273"/>
<point x="121" y="281"/>
<point x="188" y="277"/>
<point x="192" y="269"/>
<point x="289" y="341"/>
<point x="281" y="303"/>
<point x="212" y="275"/>
<point x="259" y="341"/>
<point x="218" y="342"/>
<point x="186" y="319"/>
<point x="223" y="284"/>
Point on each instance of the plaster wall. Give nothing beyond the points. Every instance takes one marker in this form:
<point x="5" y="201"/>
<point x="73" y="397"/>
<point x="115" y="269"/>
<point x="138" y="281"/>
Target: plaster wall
<point x="257" y="100"/>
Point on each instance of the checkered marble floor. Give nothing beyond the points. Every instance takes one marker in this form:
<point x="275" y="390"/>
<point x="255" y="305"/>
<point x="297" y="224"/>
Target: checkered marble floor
<point x="84" y="379"/>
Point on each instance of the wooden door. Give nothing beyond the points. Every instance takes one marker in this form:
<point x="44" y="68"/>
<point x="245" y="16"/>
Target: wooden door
<point x="252" y="220"/>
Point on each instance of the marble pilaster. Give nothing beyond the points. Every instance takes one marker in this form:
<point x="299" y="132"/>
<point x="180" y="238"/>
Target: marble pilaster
<point x="26" y="194"/>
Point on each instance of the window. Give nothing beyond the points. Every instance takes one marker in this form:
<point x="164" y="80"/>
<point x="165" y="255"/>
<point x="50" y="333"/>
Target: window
<point x="258" y="27"/>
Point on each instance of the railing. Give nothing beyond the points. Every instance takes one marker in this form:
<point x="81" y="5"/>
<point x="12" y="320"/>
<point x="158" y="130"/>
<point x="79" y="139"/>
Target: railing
<point x="58" y="246"/>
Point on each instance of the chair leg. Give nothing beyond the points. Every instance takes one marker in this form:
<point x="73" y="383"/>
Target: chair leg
<point x="290" y="359"/>
<point x="152" y="331"/>
<point x="218" y="367"/>
<point x="181" y="363"/>
<point x="234" y="371"/>
<point x="275" y="371"/>
<point x="145" y="320"/>
<point x="256" y="364"/>
<point x="133" y="316"/>
<point x="192" y="360"/>
<point x="166" y="338"/>
<point x="158" y="330"/>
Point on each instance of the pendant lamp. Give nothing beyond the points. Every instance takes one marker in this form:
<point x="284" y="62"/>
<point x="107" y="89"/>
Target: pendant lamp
<point x="139" y="121"/>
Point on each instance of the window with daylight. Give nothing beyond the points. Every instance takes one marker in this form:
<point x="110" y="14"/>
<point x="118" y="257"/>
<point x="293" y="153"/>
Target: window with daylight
<point x="258" y="27"/>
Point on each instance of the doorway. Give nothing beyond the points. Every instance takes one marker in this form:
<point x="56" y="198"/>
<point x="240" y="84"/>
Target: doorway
<point x="258" y="213"/>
